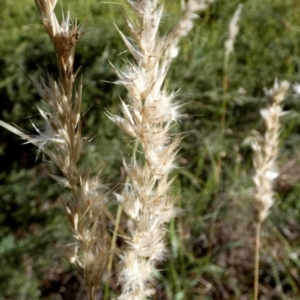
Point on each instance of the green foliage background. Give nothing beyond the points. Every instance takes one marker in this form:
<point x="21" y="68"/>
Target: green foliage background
<point x="211" y="242"/>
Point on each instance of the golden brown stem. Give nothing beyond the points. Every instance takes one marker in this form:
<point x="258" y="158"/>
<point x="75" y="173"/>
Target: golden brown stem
<point x="256" y="263"/>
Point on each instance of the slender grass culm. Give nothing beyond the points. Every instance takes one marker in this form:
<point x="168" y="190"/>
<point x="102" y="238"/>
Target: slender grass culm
<point x="60" y="140"/>
<point x="265" y="155"/>
<point x="148" y="117"/>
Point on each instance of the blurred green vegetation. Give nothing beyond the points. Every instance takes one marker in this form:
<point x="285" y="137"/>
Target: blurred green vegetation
<point x="212" y="240"/>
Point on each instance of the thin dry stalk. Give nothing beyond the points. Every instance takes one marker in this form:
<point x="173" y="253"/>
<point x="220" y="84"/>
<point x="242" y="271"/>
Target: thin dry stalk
<point x="60" y="139"/>
<point x="148" y="117"/>
<point x="265" y="155"/>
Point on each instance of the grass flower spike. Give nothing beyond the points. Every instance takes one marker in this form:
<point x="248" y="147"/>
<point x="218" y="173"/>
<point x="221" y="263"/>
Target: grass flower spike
<point x="185" y="23"/>
<point x="60" y="139"/>
<point x="266" y="150"/>
<point x="148" y="116"/>
<point x="233" y="31"/>
<point x="265" y="155"/>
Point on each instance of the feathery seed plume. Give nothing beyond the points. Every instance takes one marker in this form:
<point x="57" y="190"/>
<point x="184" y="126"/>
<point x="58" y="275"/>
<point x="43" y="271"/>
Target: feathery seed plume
<point x="266" y="149"/>
<point x="264" y="161"/>
<point x="148" y="115"/>
<point x="233" y="30"/>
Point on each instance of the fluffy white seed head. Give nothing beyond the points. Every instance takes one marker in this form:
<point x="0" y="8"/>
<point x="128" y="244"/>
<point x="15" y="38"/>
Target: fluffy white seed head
<point x="233" y="30"/>
<point x="266" y="150"/>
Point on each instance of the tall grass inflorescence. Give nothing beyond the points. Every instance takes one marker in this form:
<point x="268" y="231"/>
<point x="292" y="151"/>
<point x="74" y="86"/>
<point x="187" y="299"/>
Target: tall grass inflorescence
<point x="148" y="117"/>
<point x="60" y="140"/>
<point x="229" y="47"/>
<point x="265" y="155"/>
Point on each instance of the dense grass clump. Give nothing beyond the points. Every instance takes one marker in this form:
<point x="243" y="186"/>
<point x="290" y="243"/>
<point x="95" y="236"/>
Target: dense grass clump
<point x="211" y="242"/>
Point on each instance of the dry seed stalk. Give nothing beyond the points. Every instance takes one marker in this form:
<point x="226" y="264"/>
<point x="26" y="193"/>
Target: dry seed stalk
<point x="265" y="155"/>
<point x="85" y="210"/>
<point x="148" y="116"/>
<point x="61" y="141"/>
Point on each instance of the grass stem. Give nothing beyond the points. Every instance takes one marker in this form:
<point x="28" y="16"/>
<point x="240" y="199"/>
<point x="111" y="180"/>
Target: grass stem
<point x="111" y="256"/>
<point x="256" y="263"/>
